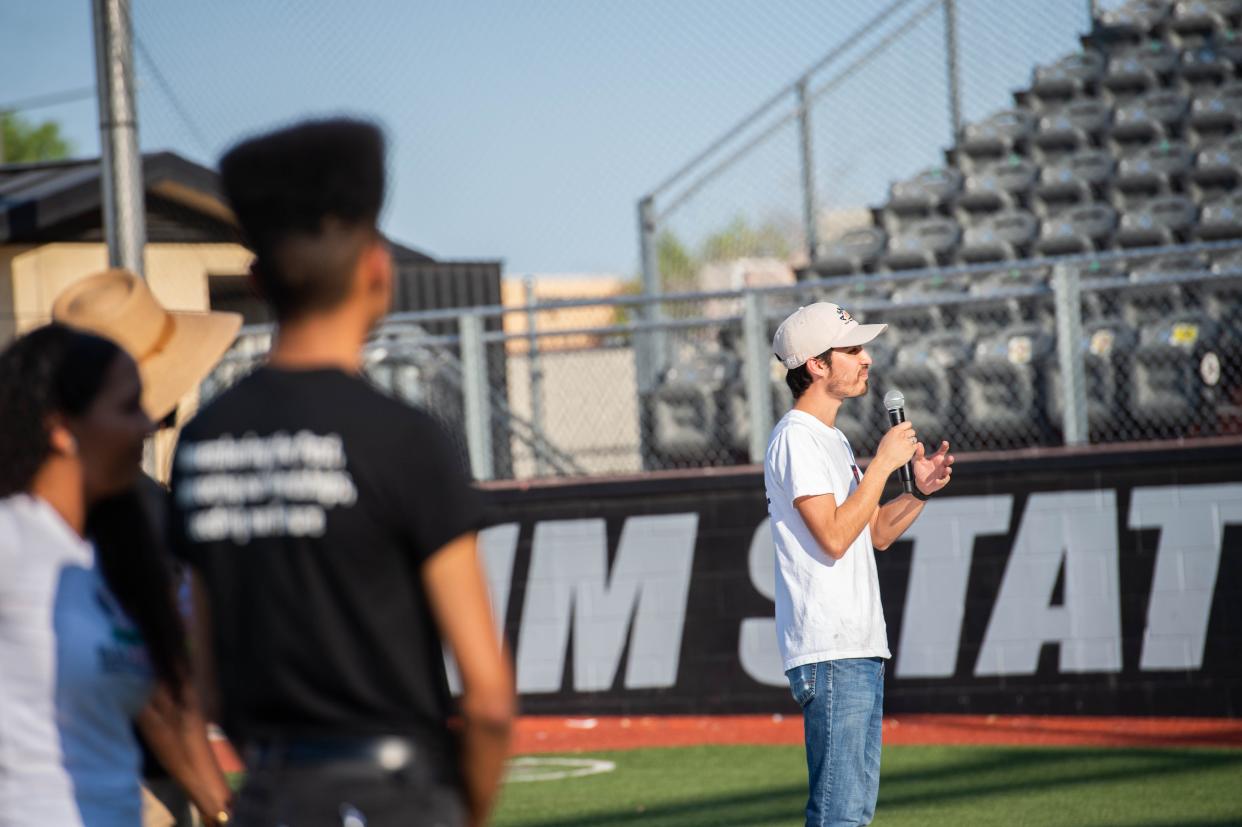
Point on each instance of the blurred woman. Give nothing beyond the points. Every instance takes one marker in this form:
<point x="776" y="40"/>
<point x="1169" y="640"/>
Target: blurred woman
<point x="89" y="637"/>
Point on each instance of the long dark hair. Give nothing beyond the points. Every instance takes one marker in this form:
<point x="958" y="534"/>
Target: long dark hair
<point x="56" y="369"/>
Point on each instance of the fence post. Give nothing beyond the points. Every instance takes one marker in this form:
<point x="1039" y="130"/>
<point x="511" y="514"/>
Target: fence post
<point x="476" y="395"/>
<point x="535" y="371"/>
<point x="648" y="346"/>
<point x="1068" y="301"/>
<point x="756" y="358"/>
<point x="808" y="171"/>
<point x="955" y="83"/>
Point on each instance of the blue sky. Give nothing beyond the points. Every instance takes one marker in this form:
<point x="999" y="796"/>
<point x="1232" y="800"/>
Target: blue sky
<point x="527" y="130"/>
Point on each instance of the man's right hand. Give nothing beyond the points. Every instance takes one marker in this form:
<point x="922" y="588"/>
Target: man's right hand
<point x="897" y="447"/>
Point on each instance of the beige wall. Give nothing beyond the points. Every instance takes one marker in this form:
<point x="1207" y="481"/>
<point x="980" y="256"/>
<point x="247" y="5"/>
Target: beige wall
<point x="560" y="288"/>
<point x="32" y="277"/>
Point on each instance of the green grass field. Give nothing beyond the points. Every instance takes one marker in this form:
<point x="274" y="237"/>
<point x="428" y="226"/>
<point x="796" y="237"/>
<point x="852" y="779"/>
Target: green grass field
<point x="730" y="786"/>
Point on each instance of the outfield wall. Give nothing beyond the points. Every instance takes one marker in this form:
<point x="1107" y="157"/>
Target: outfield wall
<point x="1103" y="581"/>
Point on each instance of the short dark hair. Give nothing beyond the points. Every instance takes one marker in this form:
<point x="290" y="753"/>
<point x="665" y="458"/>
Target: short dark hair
<point x="307" y="198"/>
<point x="799" y="379"/>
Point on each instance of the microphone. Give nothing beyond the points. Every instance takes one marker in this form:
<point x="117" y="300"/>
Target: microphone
<point x="895" y="404"/>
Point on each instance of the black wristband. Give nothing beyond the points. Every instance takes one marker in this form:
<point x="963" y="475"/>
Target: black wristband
<point x="919" y="495"/>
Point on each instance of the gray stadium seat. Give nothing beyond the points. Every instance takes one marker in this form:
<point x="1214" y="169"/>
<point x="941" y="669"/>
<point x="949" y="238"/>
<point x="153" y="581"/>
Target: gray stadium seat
<point x="1218" y="169"/>
<point x="1202" y="68"/>
<point x="1228" y="44"/>
<point x="1002" y="236"/>
<point x="1162" y="221"/>
<point x="1177" y="371"/>
<point x="1077" y="179"/>
<point x="1153" y="169"/>
<point x="1194" y="22"/>
<point x="925" y="243"/>
<point x="927" y="371"/>
<point x="1134" y="21"/>
<point x="1002" y="387"/>
<point x="1155" y="115"/>
<point x="1222" y="298"/>
<point x="1078" y="229"/>
<point x="1068" y="77"/>
<point x="854" y="251"/>
<point x="1096" y="303"/>
<point x="1221" y="218"/>
<point x="1107" y="348"/>
<point x="1146" y="301"/>
<point x="989" y="310"/>
<point x="1215" y="113"/>
<point x="925" y="192"/>
<point x="1005" y="183"/>
<point x="689" y="408"/>
<point x="923" y="307"/>
<point x="1071" y="128"/>
<point x="851" y="294"/>
<point x="1000" y="134"/>
<point x="1139" y="69"/>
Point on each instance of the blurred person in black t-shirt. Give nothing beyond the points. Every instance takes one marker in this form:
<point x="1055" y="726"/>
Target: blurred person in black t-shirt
<point x="331" y="531"/>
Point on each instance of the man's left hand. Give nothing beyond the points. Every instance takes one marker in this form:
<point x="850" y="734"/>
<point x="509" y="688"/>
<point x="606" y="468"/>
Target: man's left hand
<point x="932" y="473"/>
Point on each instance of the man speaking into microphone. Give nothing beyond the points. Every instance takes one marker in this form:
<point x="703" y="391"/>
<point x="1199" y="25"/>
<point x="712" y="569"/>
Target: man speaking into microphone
<point x="826" y="522"/>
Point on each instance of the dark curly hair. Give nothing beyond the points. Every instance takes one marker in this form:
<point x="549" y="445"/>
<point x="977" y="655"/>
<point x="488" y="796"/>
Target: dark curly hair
<point x="56" y="369"/>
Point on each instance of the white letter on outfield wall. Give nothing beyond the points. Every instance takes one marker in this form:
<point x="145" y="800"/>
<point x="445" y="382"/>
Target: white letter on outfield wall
<point x="756" y="648"/>
<point x="944" y="539"/>
<point x="569" y="576"/>
<point x="1081" y="528"/>
<point x="1192" y="521"/>
<point x="497" y="548"/>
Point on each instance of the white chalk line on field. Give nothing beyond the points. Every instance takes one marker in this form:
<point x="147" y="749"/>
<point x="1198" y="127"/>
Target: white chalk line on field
<point x="534" y="768"/>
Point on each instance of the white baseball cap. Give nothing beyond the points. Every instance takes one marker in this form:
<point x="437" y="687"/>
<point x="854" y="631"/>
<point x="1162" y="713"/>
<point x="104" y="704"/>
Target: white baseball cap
<point x="811" y="330"/>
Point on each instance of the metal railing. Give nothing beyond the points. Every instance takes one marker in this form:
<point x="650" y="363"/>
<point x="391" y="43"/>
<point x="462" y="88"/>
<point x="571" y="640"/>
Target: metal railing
<point x="716" y="401"/>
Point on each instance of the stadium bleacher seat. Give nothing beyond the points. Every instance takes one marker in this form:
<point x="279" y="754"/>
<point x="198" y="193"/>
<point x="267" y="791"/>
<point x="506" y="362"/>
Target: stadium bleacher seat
<point x="1107" y="347"/>
<point x="1072" y="181"/>
<point x="991" y="139"/>
<point x="925" y="192"/>
<point x="1152" y="117"/>
<point x="1152" y="170"/>
<point x="1077" y="230"/>
<point x="1002" y="386"/>
<point x="1003" y="236"/>
<point x="854" y="251"/>
<point x="925" y="243"/>
<point x="1005" y="183"/>
<point x="1134" y="21"/>
<point x="1162" y="221"/>
<point x="1201" y="69"/>
<point x="688" y="411"/>
<point x="1218" y="169"/>
<point x="1177" y="374"/>
<point x="1073" y="75"/>
<point x="927" y="371"/>
<point x="1221" y="218"/>
<point x="1215" y="113"/>
<point x="989" y="310"/>
<point x="1074" y="127"/>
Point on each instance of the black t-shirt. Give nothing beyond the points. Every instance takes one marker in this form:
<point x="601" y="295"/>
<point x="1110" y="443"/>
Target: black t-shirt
<point x="308" y="501"/>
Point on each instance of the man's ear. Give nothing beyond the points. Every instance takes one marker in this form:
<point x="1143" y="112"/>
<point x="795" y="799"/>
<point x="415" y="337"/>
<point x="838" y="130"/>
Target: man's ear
<point x="60" y="438"/>
<point x="377" y="268"/>
<point x="817" y="368"/>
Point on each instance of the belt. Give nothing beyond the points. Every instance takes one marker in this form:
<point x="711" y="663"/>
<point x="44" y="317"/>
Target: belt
<point x="388" y="753"/>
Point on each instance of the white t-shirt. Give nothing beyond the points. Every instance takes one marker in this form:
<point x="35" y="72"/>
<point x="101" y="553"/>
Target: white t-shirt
<point x="73" y="674"/>
<point x="825" y="609"/>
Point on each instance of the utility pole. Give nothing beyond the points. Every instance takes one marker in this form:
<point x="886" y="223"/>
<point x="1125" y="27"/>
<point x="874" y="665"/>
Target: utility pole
<point x="120" y="162"/>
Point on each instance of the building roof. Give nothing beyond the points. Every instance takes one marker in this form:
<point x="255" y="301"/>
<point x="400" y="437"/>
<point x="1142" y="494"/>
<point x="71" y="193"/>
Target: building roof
<point x="50" y="201"/>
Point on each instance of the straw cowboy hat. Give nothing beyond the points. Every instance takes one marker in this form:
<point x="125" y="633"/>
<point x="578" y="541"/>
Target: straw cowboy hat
<point x="174" y="349"/>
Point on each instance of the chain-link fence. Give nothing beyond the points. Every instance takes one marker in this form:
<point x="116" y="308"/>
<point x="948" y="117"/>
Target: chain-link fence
<point x="1098" y="347"/>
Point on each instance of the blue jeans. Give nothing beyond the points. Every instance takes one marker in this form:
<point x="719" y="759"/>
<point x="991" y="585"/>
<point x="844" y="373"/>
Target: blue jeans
<point x="842" y="704"/>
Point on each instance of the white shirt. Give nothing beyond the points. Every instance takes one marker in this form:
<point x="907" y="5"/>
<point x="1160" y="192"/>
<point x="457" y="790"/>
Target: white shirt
<point x="825" y="609"/>
<point x="73" y="674"/>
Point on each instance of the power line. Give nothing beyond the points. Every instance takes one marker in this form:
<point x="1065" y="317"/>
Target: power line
<point x="50" y="99"/>
<point x="166" y="87"/>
